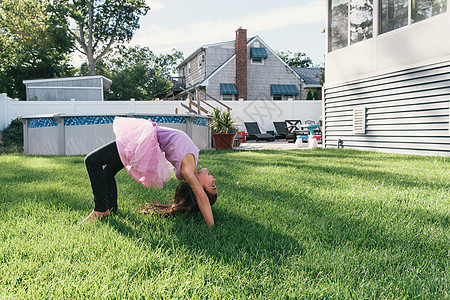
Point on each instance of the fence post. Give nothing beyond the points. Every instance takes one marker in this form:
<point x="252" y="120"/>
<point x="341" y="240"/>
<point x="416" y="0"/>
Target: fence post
<point x="72" y="101"/>
<point x="133" y="105"/>
<point x="61" y="134"/>
<point x="4" y="106"/>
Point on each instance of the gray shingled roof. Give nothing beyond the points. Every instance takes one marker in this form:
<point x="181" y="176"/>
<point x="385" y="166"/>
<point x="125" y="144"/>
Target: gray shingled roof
<point x="311" y="76"/>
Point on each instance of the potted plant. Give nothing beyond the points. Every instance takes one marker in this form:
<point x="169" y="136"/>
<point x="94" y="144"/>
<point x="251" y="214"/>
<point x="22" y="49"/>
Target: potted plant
<point x="224" y="129"/>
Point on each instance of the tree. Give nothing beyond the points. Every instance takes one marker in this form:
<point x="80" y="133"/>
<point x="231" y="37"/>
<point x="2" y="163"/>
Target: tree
<point x="136" y="72"/>
<point x="309" y="96"/>
<point x="98" y="25"/>
<point x="315" y="95"/>
<point x="34" y="44"/>
<point x="298" y="59"/>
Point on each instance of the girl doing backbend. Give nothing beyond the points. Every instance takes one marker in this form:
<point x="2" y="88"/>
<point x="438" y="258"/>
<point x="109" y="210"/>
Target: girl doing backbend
<point x="148" y="152"/>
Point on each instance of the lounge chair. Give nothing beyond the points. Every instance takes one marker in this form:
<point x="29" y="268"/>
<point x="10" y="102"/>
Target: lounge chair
<point x="254" y="133"/>
<point x="280" y="130"/>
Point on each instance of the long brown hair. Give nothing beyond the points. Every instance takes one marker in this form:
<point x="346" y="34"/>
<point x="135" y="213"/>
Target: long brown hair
<point x="183" y="201"/>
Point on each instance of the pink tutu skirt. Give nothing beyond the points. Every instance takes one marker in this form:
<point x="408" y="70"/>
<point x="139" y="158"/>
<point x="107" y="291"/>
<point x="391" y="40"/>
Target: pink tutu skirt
<point x="140" y="153"/>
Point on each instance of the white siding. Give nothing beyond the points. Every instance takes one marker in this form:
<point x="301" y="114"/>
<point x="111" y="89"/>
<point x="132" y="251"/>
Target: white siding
<point x="407" y="111"/>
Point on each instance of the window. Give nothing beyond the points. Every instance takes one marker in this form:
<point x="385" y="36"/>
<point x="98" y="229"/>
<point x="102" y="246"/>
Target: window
<point x="338" y="24"/>
<point x="283" y="97"/>
<point x="228" y="91"/>
<point x="258" y="55"/>
<point x="351" y="21"/>
<point x="393" y="14"/>
<point x="424" y="9"/>
<point x="257" y="61"/>
<point x="283" y="91"/>
<point x="356" y="13"/>
<point x="201" y="60"/>
<point x="361" y="20"/>
<point x="189" y="68"/>
<point x="228" y="97"/>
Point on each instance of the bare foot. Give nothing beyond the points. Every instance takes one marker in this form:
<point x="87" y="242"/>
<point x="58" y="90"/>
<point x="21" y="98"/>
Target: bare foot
<point x="95" y="215"/>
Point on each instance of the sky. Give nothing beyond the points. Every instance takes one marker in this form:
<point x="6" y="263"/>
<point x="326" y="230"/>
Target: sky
<point x="294" y="25"/>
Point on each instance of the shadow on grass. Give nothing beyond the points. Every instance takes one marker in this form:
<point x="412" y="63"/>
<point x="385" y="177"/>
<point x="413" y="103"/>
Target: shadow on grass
<point x="233" y="239"/>
<point x="239" y="237"/>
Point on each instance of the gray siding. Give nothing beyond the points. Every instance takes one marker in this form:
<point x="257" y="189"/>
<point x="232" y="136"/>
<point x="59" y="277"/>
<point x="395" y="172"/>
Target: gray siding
<point x="259" y="77"/>
<point x="273" y="71"/>
<point x="196" y="73"/>
<point x="65" y="89"/>
<point x="66" y="94"/>
<point x="407" y="111"/>
<point x="225" y="75"/>
<point x="217" y="55"/>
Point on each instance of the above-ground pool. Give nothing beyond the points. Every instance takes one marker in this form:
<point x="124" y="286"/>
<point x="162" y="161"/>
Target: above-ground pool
<point x="62" y="134"/>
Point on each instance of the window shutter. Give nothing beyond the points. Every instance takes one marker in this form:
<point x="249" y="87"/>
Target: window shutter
<point x="359" y="120"/>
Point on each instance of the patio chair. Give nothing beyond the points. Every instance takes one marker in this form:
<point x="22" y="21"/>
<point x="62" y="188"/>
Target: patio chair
<point x="317" y="131"/>
<point x="254" y="133"/>
<point x="280" y="130"/>
<point x="293" y="129"/>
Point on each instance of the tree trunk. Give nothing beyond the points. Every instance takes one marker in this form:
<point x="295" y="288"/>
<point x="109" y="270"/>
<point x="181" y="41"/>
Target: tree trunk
<point x="91" y="65"/>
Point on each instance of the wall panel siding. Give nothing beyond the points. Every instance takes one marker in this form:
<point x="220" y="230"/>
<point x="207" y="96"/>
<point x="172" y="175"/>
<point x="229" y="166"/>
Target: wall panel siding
<point x="407" y="111"/>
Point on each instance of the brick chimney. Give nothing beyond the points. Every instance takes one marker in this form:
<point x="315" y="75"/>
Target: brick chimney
<point x="241" y="62"/>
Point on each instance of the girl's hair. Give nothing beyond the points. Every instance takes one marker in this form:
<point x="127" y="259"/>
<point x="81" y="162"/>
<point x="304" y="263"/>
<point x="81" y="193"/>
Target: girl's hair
<point x="183" y="201"/>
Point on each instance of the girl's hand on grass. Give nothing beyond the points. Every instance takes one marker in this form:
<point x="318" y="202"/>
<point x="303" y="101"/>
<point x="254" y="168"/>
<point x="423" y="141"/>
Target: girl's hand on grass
<point x="95" y="215"/>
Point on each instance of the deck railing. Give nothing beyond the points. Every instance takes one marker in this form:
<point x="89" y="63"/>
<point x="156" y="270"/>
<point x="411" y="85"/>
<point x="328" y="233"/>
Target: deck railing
<point x="197" y="104"/>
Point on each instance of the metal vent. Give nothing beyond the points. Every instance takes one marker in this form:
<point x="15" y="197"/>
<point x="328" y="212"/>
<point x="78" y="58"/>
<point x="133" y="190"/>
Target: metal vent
<point x="359" y="120"/>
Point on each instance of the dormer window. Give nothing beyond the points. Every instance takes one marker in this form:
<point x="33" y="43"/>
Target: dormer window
<point x="258" y="55"/>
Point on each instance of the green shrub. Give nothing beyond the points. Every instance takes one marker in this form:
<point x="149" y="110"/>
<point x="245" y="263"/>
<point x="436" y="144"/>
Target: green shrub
<point x="13" y="134"/>
<point x="309" y="96"/>
<point x="315" y="95"/>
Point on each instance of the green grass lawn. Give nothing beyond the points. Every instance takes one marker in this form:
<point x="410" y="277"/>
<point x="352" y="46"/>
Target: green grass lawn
<point x="289" y="224"/>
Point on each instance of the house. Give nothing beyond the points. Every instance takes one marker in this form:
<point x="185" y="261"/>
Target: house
<point x="387" y="77"/>
<point x="311" y="81"/>
<point x="246" y="68"/>
<point x="79" y="88"/>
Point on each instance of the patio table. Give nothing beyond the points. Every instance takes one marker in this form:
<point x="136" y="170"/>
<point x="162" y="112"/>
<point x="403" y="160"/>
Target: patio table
<point x="310" y="128"/>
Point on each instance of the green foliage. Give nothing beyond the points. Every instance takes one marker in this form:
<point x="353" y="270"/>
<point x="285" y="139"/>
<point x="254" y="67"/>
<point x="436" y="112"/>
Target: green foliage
<point x="315" y="96"/>
<point x="98" y="25"/>
<point x="13" y="134"/>
<point x="297" y="224"/>
<point x="136" y="72"/>
<point x="223" y="122"/>
<point x="34" y="45"/>
<point x="309" y="96"/>
<point x="298" y="59"/>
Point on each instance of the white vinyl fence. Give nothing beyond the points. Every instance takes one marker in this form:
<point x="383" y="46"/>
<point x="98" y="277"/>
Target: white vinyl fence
<point x="264" y="112"/>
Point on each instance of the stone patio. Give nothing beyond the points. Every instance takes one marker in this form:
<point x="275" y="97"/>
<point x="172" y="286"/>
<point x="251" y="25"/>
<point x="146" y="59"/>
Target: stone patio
<point x="275" y="145"/>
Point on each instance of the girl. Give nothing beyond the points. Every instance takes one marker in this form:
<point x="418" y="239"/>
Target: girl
<point x="145" y="149"/>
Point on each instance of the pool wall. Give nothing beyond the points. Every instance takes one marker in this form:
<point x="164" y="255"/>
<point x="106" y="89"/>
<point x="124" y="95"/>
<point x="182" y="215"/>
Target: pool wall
<point x="62" y="134"/>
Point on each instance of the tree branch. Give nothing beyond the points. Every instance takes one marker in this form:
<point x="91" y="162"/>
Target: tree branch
<point x="91" y="24"/>
<point x="22" y="33"/>
<point x="108" y="47"/>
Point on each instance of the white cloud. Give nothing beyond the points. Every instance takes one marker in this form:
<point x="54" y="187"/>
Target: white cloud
<point x="211" y="31"/>
<point x="155" y="5"/>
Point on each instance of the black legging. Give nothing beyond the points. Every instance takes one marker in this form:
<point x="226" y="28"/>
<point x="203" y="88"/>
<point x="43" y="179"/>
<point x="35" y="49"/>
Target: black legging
<point x="102" y="165"/>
